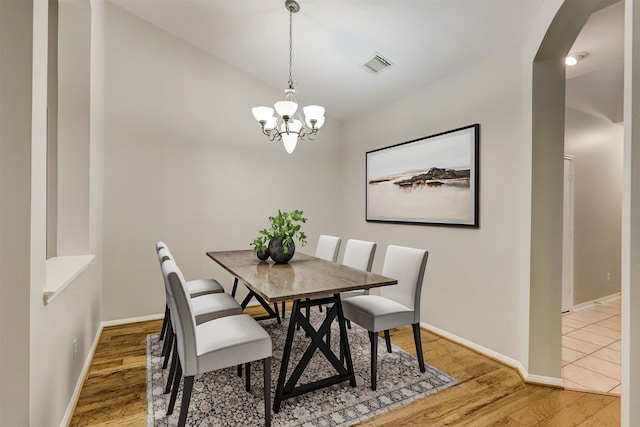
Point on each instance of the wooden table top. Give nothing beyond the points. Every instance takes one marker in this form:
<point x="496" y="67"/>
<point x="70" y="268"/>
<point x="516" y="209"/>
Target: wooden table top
<point x="304" y="276"/>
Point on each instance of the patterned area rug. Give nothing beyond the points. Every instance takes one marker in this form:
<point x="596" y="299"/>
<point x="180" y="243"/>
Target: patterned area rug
<point x="219" y="398"/>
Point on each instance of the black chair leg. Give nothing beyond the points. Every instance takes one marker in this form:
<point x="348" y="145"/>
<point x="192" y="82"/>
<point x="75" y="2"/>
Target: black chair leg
<point x="186" y="398"/>
<point x="171" y="339"/>
<point x="373" y="337"/>
<point x="348" y="323"/>
<point x="168" y="337"/>
<point x="387" y="340"/>
<point x="418" y="341"/>
<point x="267" y="392"/>
<point x="240" y="371"/>
<point x="165" y="321"/>
<point x="172" y="370"/>
<point x="283" y="309"/>
<point x="247" y="376"/>
<point x="174" y="390"/>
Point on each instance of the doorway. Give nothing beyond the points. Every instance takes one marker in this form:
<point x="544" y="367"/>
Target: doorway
<point x="567" y="235"/>
<point x="592" y="205"/>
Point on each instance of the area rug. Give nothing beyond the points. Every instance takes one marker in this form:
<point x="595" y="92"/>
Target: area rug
<point x="219" y="398"/>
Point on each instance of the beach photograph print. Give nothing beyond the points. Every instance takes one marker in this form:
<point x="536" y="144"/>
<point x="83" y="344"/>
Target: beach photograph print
<point x="431" y="180"/>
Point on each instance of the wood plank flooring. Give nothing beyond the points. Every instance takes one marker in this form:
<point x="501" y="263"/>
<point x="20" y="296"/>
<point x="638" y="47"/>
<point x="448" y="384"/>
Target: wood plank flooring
<point x="488" y="393"/>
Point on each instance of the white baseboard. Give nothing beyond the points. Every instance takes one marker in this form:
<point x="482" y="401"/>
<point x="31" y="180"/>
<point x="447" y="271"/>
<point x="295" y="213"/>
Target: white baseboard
<point x="132" y="320"/>
<point x="66" y="420"/>
<point x="584" y="305"/>
<point x="529" y="378"/>
<point x="549" y="381"/>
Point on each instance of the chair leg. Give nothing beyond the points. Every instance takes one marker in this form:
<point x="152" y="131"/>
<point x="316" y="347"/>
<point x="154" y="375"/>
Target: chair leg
<point x="387" y="340"/>
<point x="174" y="390"/>
<point x="165" y="321"/>
<point x="186" y="398"/>
<point x="267" y="392"/>
<point x="247" y="376"/>
<point x="348" y="323"/>
<point x="172" y="370"/>
<point x="283" y="309"/>
<point x="168" y="338"/>
<point x="240" y="371"/>
<point x="418" y="341"/>
<point x="373" y="337"/>
<point x="171" y="339"/>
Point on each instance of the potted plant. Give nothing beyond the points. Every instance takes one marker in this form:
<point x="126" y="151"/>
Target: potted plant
<point x="277" y="241"/>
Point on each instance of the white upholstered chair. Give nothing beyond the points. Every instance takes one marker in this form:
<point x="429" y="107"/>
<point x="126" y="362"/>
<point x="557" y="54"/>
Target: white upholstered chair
<point x="358" y="254"/>
<point x="205" y="307"/>
<point x="196" y="287"/>
<point x="213" y="345"/>
<point x="396" y="306"/>
<point x="328" y="247"/>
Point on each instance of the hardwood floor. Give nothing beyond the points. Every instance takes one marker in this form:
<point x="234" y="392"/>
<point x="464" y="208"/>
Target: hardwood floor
<point x="488" y="393"/>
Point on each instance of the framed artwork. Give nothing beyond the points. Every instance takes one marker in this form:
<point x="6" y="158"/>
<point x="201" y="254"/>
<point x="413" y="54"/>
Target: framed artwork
<point x="432" y="180"/>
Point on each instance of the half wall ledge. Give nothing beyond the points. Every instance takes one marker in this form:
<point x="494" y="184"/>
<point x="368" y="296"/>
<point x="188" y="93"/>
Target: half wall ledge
<point x="61" y="271"/>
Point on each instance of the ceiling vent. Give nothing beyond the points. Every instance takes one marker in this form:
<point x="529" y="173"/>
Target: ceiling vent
<point x="377" y="63"/>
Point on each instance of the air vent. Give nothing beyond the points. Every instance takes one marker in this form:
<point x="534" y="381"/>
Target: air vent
<point x="377" y="63"/>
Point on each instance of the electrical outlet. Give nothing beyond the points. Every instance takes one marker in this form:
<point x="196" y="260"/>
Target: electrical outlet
<point x="75" y="348"/>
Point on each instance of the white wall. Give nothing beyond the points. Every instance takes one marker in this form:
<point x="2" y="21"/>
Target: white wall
<point x="185" y="162"/>
<point x="75" y="313"/>
<point x="74" y="29"/>
<point x="472" y="282"/>
<point x="596" y="145"/>
<point x="16" y="61"/>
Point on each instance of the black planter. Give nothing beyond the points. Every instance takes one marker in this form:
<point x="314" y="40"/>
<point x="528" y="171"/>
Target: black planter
<point x="263" y="255"/>
<point x="276" y="251"/>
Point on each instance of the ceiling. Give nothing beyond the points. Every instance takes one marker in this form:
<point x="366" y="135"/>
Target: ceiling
<point x="425" y="40"/>
<point x="595" y="85"/>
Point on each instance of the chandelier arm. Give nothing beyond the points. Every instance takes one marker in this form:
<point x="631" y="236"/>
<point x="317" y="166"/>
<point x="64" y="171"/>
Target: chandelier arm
<point x="274" y="135"/>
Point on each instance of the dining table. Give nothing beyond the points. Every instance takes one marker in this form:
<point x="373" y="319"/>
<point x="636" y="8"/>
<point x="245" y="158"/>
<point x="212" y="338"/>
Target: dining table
<point x="308" y="282"/>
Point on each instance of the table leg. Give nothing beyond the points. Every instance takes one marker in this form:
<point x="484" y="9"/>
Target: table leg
<point x="345" y="350"/>
<point x="286" y="355"/>
<point x="287" y="387"/>
<point x="270" y="313"/>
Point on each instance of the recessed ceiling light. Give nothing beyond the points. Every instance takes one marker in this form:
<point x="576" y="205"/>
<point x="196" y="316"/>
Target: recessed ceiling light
<point x="574" y="58"/>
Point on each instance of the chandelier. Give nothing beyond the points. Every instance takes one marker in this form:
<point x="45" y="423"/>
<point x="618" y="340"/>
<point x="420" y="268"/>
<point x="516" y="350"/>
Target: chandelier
<point x="289" y="125"/>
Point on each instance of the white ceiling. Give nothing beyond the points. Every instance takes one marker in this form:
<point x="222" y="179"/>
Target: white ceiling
<point x="426" y="40"/>
<point x="595" y="85"/>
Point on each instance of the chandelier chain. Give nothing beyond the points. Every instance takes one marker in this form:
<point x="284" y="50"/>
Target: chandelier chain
<point x="290" y="48"/>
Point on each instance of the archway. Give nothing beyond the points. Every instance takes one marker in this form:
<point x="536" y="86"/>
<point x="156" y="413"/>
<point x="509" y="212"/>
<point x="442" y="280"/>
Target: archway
<point x="546" y="200"/>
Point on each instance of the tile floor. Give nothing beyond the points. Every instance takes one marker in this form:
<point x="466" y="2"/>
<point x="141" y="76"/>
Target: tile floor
<point x="591" y="347"/>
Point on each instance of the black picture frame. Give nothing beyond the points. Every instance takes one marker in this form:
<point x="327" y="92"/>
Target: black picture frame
<point x="434" y="180"/>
